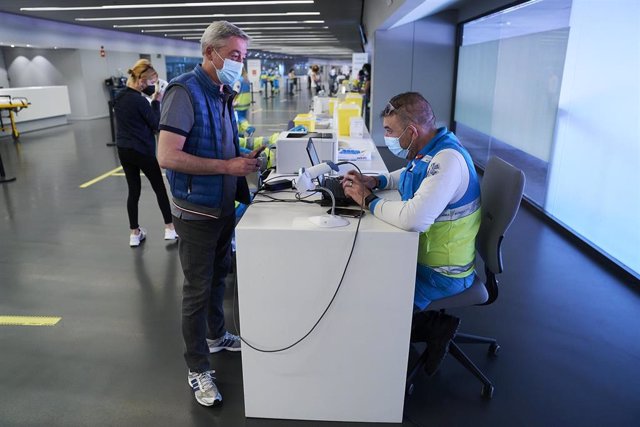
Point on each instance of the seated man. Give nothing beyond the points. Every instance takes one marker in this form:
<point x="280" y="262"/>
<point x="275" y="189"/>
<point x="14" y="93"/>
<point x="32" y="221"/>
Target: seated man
<point x="440" y="199"/>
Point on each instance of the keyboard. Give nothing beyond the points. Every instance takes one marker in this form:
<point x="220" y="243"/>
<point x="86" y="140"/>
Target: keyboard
<point x="335" y="186"/>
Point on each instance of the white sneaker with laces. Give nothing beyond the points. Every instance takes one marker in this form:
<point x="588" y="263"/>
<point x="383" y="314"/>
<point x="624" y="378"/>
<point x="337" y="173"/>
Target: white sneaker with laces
<point x="227" y="342"/>
<point x="204" y="389"/>
<point x="135" y="239"/>
<point x="170" y="234"/>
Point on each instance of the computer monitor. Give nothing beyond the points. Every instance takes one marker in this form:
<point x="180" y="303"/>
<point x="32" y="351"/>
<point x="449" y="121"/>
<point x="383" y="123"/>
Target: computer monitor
<point x="314" y="159"/>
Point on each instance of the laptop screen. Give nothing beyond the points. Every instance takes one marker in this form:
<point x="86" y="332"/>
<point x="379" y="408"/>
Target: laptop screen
<point x="314" y="159"/>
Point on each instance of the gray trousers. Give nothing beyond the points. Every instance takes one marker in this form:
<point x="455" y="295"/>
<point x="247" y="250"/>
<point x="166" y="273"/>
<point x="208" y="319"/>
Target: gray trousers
<point x="205" y="254"/>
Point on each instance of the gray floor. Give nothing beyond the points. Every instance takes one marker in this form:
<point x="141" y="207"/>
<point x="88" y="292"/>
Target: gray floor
<point x="568" y="326"/>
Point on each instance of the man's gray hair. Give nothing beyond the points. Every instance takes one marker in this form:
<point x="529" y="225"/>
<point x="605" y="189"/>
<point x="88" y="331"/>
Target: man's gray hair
<point x="217" y="34"/>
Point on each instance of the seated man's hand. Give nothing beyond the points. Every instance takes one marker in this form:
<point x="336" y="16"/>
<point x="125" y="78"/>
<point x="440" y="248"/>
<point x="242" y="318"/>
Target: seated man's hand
<point x="368" y="181"/>
<point x="355" y="189"/>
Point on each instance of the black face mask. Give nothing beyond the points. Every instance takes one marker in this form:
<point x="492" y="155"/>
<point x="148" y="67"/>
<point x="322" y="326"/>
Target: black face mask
<point x="149" y="90"/>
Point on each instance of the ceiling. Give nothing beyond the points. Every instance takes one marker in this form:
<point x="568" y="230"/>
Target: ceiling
<point x="317" y="28"/>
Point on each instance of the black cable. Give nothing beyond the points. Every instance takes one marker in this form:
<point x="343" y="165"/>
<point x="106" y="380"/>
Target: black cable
<point x="275" y="199"/>
<point x="279" y="177"/>
<point x="344" y="272"/>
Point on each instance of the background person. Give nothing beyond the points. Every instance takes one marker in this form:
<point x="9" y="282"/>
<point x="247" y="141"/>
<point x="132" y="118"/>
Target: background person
<point x="292" y="80"/>
<point x="199" y="146"/>
<point x="364" y="78"/>
<point x="316" y="81"/>
<point x="242" y="102"/>
<point x="136" y="125"/>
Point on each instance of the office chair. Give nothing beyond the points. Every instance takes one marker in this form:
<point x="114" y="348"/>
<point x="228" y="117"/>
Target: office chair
<point x="501" y="192"/>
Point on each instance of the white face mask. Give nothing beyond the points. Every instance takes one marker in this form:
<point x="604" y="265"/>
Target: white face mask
<point x="393" y="143"/>
<point x="230" y="71"/>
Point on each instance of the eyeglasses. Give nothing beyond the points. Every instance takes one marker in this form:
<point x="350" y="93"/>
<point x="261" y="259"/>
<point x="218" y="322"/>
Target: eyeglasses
<point x="389" y="109"/>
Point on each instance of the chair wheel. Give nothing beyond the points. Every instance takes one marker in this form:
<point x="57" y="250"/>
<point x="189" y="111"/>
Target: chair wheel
<point x="494" y="349"/>
<point x="487" y="391"/>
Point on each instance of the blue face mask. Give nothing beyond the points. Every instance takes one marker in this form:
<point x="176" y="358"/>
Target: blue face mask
<point x="230" y="71"/>
<point x="393" y="143"/>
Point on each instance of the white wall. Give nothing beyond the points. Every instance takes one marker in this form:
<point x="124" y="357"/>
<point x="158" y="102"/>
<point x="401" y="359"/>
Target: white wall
<point x="374" y="15"/>
<point x="595" y="170"/>
<point x="45" y="34"/>
<point x="414" y="57"/>
<point x="34" y="67"/>
<point x="4" y="82"/>
<point x="77" y="63"/>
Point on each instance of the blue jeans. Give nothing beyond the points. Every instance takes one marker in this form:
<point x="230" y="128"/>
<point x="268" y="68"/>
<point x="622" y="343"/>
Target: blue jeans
<point x="205" y="254"/>
<point x="431" y="286"/>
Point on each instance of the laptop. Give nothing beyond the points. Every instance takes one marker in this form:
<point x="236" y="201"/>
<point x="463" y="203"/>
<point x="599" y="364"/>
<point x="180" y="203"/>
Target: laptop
<point x="332" y="184"/>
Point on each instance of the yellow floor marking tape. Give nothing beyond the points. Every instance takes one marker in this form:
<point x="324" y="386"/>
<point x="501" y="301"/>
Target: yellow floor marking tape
<point x="101" y="177"/>
<point x="28" y="320"/>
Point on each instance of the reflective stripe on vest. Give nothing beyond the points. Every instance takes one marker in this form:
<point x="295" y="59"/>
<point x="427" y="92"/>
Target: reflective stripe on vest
<point x="459" y="212"/>
<point x="243" y="101"/>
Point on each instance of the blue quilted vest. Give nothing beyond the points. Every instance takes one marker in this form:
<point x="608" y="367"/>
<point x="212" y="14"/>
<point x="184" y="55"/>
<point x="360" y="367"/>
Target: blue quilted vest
<point x="204" y="140"/>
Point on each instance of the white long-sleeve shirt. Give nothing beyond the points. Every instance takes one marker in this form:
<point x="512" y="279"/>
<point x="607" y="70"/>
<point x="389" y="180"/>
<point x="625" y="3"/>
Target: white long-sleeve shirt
<point x="446" y="182"/>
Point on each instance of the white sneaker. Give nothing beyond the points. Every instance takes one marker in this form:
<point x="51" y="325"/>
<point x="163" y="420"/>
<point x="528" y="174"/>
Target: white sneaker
<point x="170" y="234"/>
<point x="227" y="342"/>
<point x="204" y="389"/>
<point x="135" y="239"/>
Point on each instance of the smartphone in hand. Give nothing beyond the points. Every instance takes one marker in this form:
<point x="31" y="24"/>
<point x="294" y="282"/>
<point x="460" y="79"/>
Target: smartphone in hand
<point x="260" y="150"/>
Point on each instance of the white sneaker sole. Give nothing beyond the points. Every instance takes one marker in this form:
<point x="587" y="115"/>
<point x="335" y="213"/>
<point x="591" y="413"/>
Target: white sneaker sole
<point x="216" y="402"/>
<point x="219" y="349"/>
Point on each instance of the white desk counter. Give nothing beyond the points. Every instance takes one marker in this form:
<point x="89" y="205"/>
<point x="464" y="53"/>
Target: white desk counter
<point x="49" y="106"/>
<point x="373" y="166"/>
<point x="352" y="367"/>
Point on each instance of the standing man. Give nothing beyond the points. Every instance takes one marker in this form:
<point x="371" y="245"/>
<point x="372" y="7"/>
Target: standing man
<point x="198" y="145"/>
<point x="440" y="200"/>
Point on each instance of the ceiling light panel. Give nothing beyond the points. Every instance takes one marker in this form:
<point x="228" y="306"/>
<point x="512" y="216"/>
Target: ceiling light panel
<point x="207" y="24"/>
<point x="213" y="15"/>
<point x="165" y="5"/>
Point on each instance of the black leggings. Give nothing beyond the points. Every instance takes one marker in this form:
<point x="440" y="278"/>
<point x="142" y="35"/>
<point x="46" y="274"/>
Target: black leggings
<point x="133" y="162"/>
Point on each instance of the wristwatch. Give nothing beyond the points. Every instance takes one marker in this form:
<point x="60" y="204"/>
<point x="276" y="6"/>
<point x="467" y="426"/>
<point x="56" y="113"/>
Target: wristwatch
<point x="370" y="198"/>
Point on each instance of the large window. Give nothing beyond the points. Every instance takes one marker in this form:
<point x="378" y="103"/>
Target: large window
<point x="552" y="87"/>
<point x="177" y="65"/>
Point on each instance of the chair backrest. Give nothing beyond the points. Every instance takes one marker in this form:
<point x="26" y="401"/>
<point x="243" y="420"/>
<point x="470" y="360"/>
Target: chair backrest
<point x="501" y="192"/>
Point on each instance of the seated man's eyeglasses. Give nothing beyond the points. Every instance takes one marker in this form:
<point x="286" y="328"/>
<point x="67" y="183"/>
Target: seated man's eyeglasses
<point x="390" y="109"/>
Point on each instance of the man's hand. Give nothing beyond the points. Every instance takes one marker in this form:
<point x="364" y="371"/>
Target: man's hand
<point x="242" y="166"/>
<point x="369" y="182"/>
<point x="255" y="153"/>
<point x="354" y="188"/>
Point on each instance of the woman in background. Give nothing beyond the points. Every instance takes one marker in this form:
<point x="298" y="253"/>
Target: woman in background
<point x="137" y="122"/>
